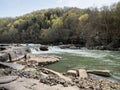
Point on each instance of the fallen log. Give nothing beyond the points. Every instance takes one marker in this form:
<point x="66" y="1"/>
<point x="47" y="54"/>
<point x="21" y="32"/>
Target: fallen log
<point x="105" y="73"/>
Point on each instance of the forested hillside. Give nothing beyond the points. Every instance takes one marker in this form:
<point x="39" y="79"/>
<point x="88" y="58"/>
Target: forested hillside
<point x="90" y="27"/>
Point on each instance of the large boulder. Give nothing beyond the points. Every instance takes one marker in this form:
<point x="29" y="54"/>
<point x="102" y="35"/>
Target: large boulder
<point x="105" y="73"/>
<point x="4" y="57"/>
<point x="82" y="73"/>
<point x="72" y="73"/>
<point x="44" y="48"/>
<point x="2" y="48"/>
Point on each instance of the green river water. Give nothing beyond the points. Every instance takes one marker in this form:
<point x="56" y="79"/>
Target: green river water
<point x="89" y="59"/>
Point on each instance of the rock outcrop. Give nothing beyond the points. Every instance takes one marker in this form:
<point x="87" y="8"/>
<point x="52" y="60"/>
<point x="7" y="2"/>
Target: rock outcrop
<point x="105" y="73"/>
<point x="72" y="73"/>
<point x="7" y="79"/>
<point x="82" y="73"/>
<point x="44" y="48"/>
<point x="4" y="57"/>
<point x="12" y="65"/>
<point x="43" y="59"/>
<point x="13" y="54"/>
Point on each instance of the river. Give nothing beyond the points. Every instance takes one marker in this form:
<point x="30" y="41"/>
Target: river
<point x="89" y="59"/>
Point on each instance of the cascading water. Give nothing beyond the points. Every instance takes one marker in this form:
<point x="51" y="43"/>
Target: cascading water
<point x="89" y="59"/>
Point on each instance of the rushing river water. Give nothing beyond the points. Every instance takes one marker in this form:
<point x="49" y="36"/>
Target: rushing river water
<point x="89" y="59"/>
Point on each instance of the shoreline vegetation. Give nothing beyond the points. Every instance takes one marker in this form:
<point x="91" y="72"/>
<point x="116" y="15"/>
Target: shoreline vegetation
<point x="28" y="72"/>
<point x="91" y="28"/>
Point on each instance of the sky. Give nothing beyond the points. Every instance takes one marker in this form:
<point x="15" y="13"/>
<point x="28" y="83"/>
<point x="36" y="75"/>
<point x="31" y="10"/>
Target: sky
<point x="12" y="8"/>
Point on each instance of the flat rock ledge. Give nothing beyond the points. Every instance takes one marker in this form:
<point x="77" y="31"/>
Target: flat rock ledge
<point x="7" y="79"/>
<point x="43" y="59"/>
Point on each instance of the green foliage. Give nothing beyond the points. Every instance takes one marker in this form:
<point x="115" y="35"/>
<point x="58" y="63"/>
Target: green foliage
<point x="83" y="18"/>
<point x="87" y="27"/>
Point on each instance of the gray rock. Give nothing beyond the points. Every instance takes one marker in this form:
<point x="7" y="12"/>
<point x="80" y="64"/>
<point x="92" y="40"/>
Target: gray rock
<point x="4" y="57"/>
<point x="94" y="76"/>
<point x="105" y="73"/>
<point x="2" y="48"/>
<point x="7" y="79"/>
<point x="72" y="72"/>
<point x="12" y="65"/>
<point x="82" y="73"/>
<point x="15" y="53"/>
<point x="44" y="48"/>
<point x="54" y="81"/>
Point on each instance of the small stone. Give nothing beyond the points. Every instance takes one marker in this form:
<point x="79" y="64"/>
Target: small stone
<point x="65" y="85"/>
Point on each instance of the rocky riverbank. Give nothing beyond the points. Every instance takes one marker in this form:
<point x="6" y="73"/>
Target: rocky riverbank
<point x="28" y="73"/>
<point x="42" y="79"/>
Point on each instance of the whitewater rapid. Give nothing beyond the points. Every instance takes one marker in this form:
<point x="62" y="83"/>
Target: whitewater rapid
<point x="78" y="52"/>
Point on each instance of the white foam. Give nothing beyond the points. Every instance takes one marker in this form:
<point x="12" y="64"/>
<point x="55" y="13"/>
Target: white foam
<point x="78" y="52"/>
